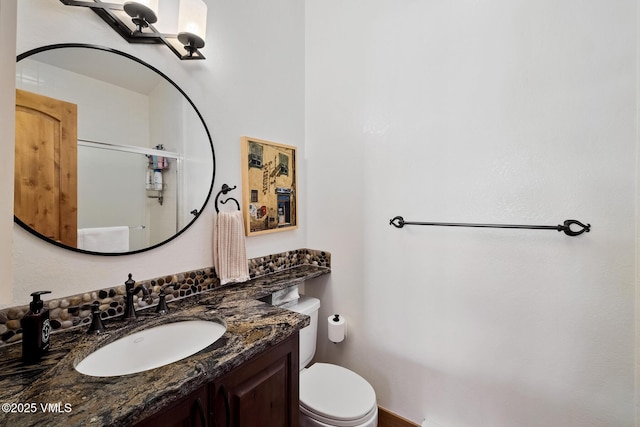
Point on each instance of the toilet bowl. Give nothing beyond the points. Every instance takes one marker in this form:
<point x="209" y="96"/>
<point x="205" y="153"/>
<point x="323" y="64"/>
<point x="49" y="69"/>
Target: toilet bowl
<point x="333" y="396"/>
<point x="330" y="395"/>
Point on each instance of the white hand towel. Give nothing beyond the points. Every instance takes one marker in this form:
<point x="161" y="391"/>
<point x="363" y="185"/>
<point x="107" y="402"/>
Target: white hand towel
<point x="104" y="239"/>
<point x="229" y="250"/>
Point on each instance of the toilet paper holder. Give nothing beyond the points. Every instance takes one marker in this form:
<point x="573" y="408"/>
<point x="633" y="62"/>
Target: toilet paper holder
<point x="336" y="328"/>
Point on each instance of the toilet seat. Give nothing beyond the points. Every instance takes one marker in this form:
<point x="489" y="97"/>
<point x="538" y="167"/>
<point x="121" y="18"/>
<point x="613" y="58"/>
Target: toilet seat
<point x="336" y="396"/>
<point x="315" y="420"/>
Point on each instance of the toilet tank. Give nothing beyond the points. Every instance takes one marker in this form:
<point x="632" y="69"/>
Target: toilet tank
<point x="309" y="334"/>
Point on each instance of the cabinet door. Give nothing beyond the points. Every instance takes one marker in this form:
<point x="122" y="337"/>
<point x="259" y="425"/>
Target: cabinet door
<point x="190" y="411"/>
<point x="263" y="392"/>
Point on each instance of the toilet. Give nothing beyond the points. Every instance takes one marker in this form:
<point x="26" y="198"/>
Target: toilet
<point x="330" y="395"/>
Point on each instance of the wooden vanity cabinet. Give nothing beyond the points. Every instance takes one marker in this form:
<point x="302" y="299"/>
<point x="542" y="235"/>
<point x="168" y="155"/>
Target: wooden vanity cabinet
<point x="262" y="392"/>
<point x="190" y="411"/>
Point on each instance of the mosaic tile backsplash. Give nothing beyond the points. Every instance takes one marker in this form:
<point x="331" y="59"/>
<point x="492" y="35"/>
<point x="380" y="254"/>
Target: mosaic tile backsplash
<point x="75" y="310"/>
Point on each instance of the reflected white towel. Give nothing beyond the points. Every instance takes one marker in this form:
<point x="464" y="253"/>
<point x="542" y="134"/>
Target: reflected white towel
<point x="229" y="250"/>
<point x="104" y="239"/>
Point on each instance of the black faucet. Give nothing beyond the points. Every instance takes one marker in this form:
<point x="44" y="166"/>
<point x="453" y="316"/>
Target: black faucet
<point x="130" y="291"/>
<point x="162" y="307"/>
<point x="96" y="327"/>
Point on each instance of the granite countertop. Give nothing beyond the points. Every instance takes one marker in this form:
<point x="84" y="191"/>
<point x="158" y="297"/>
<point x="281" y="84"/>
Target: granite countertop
<point x="32" y="392"/>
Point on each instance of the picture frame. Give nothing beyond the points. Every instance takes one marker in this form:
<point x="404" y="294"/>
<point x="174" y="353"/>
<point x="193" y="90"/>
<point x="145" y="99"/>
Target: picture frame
<point x="269" y="186"/>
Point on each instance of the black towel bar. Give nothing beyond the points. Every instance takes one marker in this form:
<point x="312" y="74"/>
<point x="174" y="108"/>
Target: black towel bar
<point x="399" y="222"/>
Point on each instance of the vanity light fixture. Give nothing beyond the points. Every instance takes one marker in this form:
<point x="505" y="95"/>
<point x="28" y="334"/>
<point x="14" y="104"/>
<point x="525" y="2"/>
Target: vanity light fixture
<point x="181" y="24"/>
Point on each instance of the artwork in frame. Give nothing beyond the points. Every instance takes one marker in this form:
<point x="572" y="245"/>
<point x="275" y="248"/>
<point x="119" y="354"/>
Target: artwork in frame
<point x="269" y="186"/>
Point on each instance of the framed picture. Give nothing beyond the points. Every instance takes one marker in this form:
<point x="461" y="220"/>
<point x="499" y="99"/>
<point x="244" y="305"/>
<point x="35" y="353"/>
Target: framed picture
<point x="269" y="186"/>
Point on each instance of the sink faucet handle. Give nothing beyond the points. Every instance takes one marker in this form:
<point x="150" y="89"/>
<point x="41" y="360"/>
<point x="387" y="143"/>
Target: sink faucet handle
<point x="97" y="327"/>
<point x="162" y="307"/>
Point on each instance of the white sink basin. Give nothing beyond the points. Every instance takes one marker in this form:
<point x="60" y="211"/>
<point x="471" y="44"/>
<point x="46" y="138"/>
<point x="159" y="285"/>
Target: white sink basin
<point x="151" y="348"/>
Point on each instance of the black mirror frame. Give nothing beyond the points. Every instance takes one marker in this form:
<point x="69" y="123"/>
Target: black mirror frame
<point x="152" y="68"/>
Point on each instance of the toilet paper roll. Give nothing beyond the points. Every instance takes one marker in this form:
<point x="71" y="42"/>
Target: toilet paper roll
<point x="337" y="328"/>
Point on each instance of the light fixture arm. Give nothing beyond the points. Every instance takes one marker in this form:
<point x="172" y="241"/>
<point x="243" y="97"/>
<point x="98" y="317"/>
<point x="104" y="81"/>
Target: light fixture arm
<point x="145" y="33"/>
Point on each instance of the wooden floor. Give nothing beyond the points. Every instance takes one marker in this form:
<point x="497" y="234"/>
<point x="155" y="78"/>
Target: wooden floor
<point x="387" y="418"/>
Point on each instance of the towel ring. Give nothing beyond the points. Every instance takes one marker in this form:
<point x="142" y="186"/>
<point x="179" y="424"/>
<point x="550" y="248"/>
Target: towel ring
<point x="225" y="190"/>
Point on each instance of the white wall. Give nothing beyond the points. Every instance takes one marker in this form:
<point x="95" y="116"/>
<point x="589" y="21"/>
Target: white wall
<point x="7" y="133"/>
<point x="492" y="112"/>
<point x="107" y="113"/>
<point x="252" y="83"/>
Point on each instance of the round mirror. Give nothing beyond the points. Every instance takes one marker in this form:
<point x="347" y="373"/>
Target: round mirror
<point x="112" y="157"/>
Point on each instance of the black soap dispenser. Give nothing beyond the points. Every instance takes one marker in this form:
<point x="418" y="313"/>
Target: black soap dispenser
<point x="35" y="330"/>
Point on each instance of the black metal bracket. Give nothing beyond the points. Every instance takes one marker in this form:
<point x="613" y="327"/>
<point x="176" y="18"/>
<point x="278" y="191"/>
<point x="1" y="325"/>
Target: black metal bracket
<point x="399" y="222"/>
<point x="225" y="189"/>
<point x="106" y="11"/>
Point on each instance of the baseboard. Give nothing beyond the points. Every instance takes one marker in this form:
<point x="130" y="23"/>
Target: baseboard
<point x="387" y="418"/>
